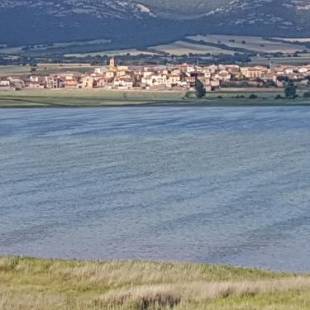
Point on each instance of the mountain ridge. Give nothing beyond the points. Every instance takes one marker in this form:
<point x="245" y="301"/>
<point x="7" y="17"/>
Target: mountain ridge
<point x="33" y="21"/>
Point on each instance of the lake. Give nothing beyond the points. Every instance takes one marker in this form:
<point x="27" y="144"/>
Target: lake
<point x="216" y="185"/>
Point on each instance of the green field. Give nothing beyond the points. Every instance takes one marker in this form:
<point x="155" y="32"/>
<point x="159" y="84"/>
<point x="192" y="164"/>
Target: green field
<point x="104" y="98"/>
<point x="33" y="284"/>
<point x="180" y="48"/>
<point x="213" y="44"/>
<point x="302" y="59"/>
<point x="57" y="47"/>
<point x="110" y="53"/>
<point x="84" y="97"/>
<point x="251" y="43"/>
<point x="43" y="69"/>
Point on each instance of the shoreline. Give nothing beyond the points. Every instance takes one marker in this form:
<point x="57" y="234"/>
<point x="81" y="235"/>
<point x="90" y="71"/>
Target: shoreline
<point x="46" y="284"/>
<point x="12" y="104"/>
<point x="114" y="98"/>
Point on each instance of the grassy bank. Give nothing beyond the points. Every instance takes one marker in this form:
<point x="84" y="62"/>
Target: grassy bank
<point x="27" y="283"/>
<point x="85" y="98"/>
<point x="101" y="97"/>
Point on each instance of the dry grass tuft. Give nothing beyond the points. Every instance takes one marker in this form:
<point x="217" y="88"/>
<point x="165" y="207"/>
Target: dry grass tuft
<point x="28" y="284"/>
<point x="143" y="298"/>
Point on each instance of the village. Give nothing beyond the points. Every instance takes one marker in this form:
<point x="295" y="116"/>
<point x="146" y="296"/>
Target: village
<point x="170" y="77"/>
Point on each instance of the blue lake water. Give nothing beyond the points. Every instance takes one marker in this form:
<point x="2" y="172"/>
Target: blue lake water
<point x="217" y="185"/>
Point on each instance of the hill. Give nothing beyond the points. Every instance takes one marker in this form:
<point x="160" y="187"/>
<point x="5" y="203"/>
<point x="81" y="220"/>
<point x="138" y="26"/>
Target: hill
<point x="141" y="22"/>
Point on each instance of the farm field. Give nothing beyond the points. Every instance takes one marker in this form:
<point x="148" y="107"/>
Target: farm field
<point x="251" y="43"/>
<point x="180" y="48"/>
<point x="75" y="43"/>
<point x="11" y="50"/>
<point x="206" y="44"/>
<point x="293" y="40"/>
<point x="17" y="70"/>
<point x="14" y="70"/>
<point x="53" y="47"/>
<point x="102" y="98"/>
<point x="300" y="60"/>
<point x="132" y="52"/>
<point x="84" y="97"/>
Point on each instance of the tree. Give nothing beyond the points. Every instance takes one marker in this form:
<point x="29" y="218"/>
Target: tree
<point x="253" y="96"/>
<point x="290" y="90"/>
<point x="200" y="89"/>
<point x="307" y="94"/>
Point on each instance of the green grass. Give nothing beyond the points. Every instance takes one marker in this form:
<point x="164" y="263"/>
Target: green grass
<point x="251" y="43"/>
<point x="121" y="52"/>
<point x="27" y="283"/>
<point x="84" y="98"/>
<point x="300" y="60"/>
<point x="180" y="48"/>
<point x="104" y="98"/>
<point x="42" y="69"/>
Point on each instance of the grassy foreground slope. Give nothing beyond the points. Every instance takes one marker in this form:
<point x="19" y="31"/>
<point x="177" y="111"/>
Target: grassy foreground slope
<point x="27" y="283"/>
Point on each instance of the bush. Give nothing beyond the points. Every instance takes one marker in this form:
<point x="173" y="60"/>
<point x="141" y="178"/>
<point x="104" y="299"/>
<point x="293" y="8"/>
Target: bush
<point x="307" y="94"/>
<point x="278" y="97"/>
<point x="200" y="89"/>
<point x="190" y="94"/>
<point x="253" y="96"/>
<point x="290" y="90"/>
